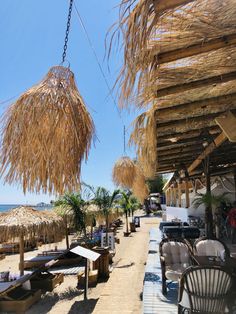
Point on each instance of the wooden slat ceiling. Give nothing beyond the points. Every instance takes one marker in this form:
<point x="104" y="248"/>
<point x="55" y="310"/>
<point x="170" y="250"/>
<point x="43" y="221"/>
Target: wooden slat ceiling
<point x="180" y="63"/>
<point x="194" y="85"/>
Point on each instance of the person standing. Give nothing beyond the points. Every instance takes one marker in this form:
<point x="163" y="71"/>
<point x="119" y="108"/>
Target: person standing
<point x="232" y="222"/>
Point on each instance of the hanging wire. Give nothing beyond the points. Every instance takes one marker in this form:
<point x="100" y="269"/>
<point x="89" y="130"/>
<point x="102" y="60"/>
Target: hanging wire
<point x="97" y="59"/>
<point x="67" y="32"/>
<point x="124" y="142"/>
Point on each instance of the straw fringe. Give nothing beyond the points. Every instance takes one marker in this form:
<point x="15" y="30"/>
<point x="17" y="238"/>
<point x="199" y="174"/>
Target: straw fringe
<point x="144" y="139"/>
<point x="46" y="135"/>
<point x="139" y="188"/>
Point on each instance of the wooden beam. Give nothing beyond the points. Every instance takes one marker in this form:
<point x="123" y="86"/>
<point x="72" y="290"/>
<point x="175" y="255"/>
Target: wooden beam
<point x="163" y="5"/>
<point x="218" y="79"/>
<point x="217" y="142"/>
<point x="183" y="125"/>
<point x="195" y="49"/>
<point x="178" y="146"/>
<point x="187" y="135"/>
<point x="197" y="108"/>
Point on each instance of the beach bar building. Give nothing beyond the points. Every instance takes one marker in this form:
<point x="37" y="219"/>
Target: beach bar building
<point x="180" y="68"/>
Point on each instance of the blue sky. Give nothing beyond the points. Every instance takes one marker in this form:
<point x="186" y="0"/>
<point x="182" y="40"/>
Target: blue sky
<point x="32" y="38"/>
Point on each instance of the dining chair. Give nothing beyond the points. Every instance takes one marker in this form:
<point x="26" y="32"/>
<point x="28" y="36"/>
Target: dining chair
<point x="204" y="289"/>
<point x="175" y="257"/>
<point x="205" y="246"/>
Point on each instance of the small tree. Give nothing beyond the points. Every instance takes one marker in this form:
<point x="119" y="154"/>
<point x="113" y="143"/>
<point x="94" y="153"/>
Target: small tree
<point x="125" y="203"/>
<point x="104" y="200"/>
<point x="71" y="207"/>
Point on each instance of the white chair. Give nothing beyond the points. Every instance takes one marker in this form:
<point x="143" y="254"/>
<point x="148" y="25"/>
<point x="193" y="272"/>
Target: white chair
<point x="210" y="247"/>
<point x="175" y="257"/>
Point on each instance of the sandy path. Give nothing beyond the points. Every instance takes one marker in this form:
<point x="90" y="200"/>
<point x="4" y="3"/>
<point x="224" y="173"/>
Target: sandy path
<point x="121" y="293"/>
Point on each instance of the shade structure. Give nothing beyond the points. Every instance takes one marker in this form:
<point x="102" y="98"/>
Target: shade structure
<point x="46" y="134"/>
<point x="27" y="222"/>
<point x="124" y="172"/>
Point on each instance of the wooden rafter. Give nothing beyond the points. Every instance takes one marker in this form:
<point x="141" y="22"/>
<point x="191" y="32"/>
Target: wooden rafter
<point x="186" y="125"/>
<point x="204" y="46"/>
<point x="187" y="135"/>
<point x="197" y="108"/>
<point x="217" y="142"/>
<point x="218" y="79"/>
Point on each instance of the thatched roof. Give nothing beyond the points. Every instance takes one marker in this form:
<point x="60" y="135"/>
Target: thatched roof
<point x="179" y="64"/>
<point x="29" y="222"/>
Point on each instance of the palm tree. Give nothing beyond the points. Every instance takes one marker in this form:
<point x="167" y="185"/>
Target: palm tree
<point x="105" y="201"/>
<point x="71" y="207"/>
<point x="211" y="201"/>
<point x="134" y="204"/>
<point x="126" y="204"/>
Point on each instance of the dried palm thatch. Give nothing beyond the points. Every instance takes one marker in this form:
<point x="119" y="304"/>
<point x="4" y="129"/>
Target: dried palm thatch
<point x="28" y="222"/>
<point x="149" y="31"/>
<point x="46" y="134"/>
<point x="139" y="188"/>
<point x="144" y="138"/>
<point x="124" y="172"/>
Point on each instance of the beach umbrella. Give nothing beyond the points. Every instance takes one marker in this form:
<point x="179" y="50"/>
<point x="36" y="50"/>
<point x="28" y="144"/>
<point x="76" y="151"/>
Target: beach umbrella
<point x="25" y="222"/>
<point x="124" y="172"/>
<point x="47" y="133"/>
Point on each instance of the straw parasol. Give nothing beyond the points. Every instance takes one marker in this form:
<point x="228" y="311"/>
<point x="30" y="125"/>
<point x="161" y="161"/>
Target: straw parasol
<point x="124" y="172"/>
<point x="46" y="134"/>
<point x="24" y="222"/>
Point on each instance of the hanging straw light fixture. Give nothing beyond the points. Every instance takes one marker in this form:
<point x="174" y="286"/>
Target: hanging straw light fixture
<point x="124" y="170"/>
<point x="47" y="133"/>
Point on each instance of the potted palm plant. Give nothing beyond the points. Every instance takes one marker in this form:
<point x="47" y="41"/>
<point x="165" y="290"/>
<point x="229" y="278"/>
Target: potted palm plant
<point x="71" y="208"/>
<point x="211" y="201"/>
<point x="125" y="203"/>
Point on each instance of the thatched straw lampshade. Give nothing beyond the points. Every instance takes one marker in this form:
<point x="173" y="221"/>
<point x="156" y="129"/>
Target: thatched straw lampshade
<point x="124" y="172"/>
<point x="47" y="132"/>
<point x="27" y="222"/>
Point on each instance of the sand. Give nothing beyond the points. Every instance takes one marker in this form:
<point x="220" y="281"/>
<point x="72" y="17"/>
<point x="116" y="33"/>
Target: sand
<point x="121" y="293"/>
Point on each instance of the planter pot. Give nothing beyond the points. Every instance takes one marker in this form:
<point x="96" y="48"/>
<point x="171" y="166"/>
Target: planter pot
<point x="126" y="234"/>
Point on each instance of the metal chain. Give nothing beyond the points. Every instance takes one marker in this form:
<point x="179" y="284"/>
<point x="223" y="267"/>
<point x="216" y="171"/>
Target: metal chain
<point x="67" y="31"/>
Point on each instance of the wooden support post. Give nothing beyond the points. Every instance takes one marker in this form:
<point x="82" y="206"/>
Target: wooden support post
<point x="174" y="197"/>
<point x="21" y="248"/>
<point x="187" y="193"/>
<point x="167" y="197"/>
<point x="86" y="280"/>
<point x="179" y="194"/>
<point x="209" y="216"/>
